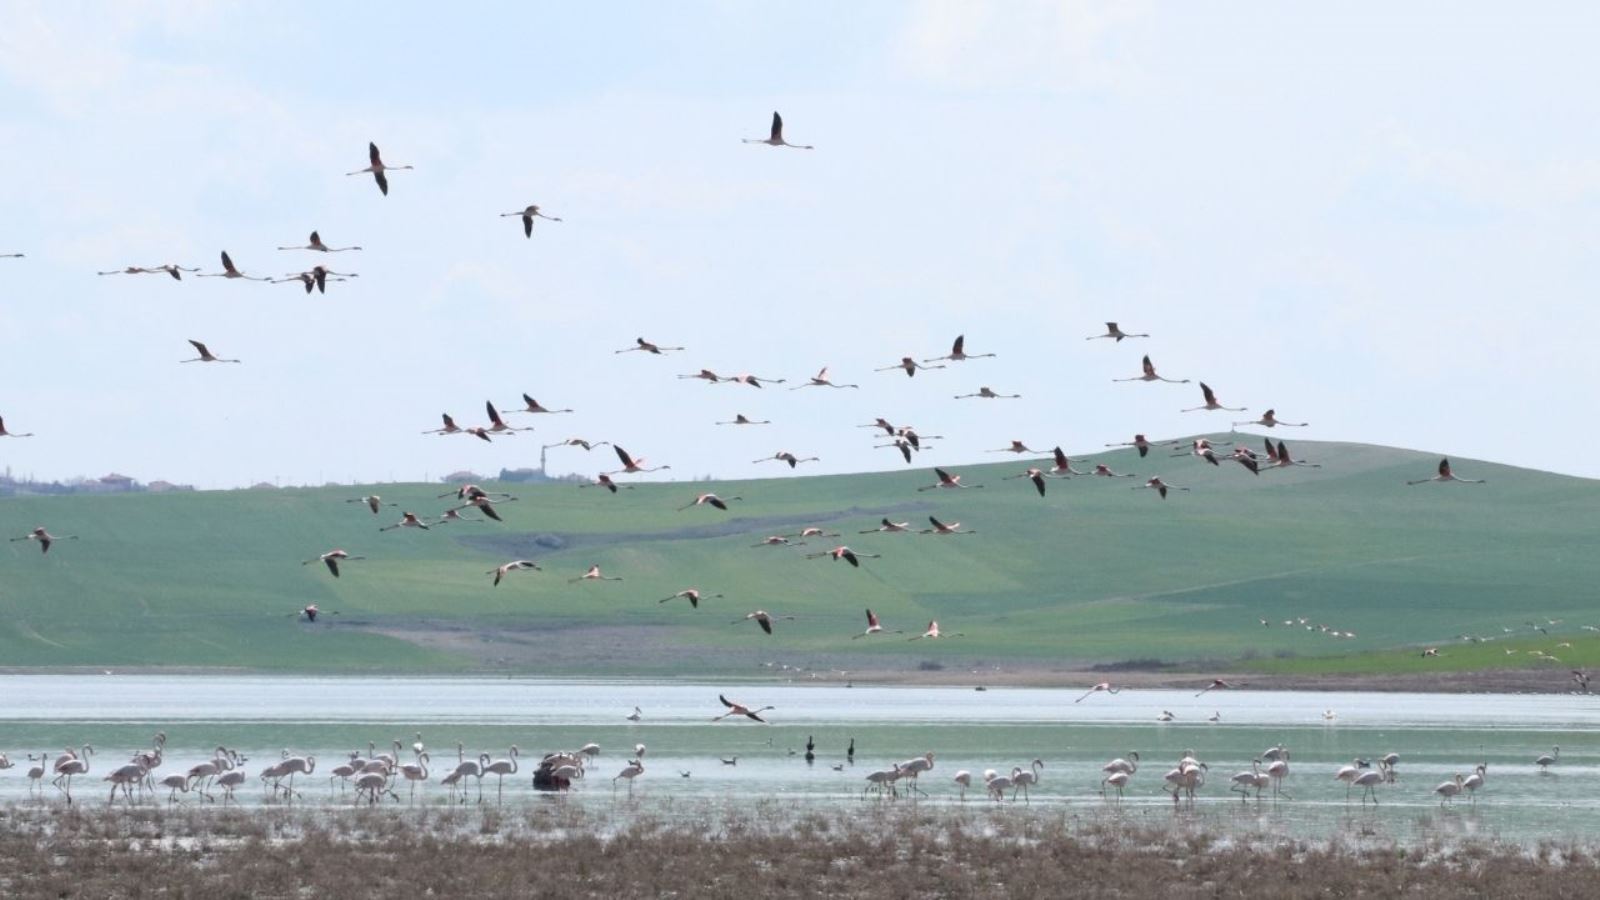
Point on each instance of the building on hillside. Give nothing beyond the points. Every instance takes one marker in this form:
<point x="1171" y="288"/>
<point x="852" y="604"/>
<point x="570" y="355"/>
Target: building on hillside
<point x="161" y="487"/>
<point x="463" y="477"/>
<point x="115" y="483"/>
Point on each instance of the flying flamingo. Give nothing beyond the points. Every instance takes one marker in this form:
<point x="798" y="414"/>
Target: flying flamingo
<point x="1269" y="419"/>
<point x="1284" y="460"/>
<point x="331" y="559"/>
<point x="1037" y="476"/>
<point x="873" y="627"/>
<point x="880" y="423"/>
<point x="776" y="138"/>
<point x="175" y="271"/>
<point x="1150" y="375"/>
<point x="1246" y="457"/>
<point x="377" y="168"/>
<point x="372" y="501"/>
<point x="498" y="425"/>
<point x="12" y="255"/>
<point x="846" y="554"/>
<point x="941" y="528"/>
<point x="528" y="214"/>
<point x="533" y="406"/>
<point x="711" y="499"/>
<point x="1217" y="684"/>
<point x="742" y="419"/>
<point x="821" y="380"/>
<point x="5" y="433"/>
<point x="517" y="565"/>
<point x="1139" y="442"/>
<point x="1102" y="686"/>
<point x="1200" y="448"/>
<point x="946" y="480"/>
<point x="958" y="352"/>
<point x="786" y="456"/>
<point x="320" y="274"/>
<point x="631" y="466"/>
<point x="986" y="393"/>
<point x="44" y="538"/>
<point x="578" y="442"/>
<point x="230" y="271"/>
<point x="933" y="633"/>
<point x="1446" y="475"/>
<point x="707" y="376"/>
<point x="450" y="427"/>
<point x="594" y="575"/>
<point x="1160" y="487"/>
<point x="311" y="612"/>
<point x="205" y="355"/>
<point x="739" y="709"/>
<point x="1063" y="464"/>
<point x="901" y="444"/>
<point x="1112" y="331"/>
<point x="762" y="618"/>
<point x="604" y="480"/>
<point x="888" y="526"/>
<point x="472" y="492"/>
<point x="1211" y="401"/>
<point x="754" y="381"/>
<point x="909" y="365"/>
<point x="1017" y="447"/>
<point x="690" y="594"/>
<point x="315" y="243"/>
<point x="308" y="279"/>
<point x="485" y="504"/>
<point x="1104" y="471"/>
<point x="407" y="520"/>
<point x="647" y="347"/>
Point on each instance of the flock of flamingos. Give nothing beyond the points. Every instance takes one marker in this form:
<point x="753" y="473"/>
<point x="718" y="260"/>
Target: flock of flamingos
<point x="373" y="775"/>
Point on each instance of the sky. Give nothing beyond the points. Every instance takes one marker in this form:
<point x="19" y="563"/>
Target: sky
<point x="1379" y="218"/>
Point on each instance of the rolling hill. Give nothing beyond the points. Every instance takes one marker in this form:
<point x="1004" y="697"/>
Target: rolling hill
<point x="1092" y="573"/>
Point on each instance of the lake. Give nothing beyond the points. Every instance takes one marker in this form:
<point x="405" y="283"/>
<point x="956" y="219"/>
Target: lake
<point x="1436" y="736"/>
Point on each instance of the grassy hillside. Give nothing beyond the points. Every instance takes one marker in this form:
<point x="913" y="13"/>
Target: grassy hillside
<point x="1094" y="572"/>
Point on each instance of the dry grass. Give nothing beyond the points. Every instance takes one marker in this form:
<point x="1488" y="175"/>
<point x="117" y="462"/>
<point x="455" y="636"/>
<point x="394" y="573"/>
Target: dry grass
<point x="711" y="852"/>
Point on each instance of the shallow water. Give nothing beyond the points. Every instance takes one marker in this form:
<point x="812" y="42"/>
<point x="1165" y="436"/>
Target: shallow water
<point x="1436" y="735"/>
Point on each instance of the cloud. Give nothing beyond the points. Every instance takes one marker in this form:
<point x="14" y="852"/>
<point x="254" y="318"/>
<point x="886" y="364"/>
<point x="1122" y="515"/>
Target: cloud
<point x="1038" y="44"/>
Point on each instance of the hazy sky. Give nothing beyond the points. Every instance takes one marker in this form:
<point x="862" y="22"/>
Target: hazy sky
<point x="1381" y="218"/>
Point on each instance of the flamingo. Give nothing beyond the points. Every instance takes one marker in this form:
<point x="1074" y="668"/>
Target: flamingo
<point x="1102" y="686"/>
<point x="932" y="632"/>
<point x="1242" y="782"/>
<point x="880" y="422"/>
<point x="1022" y="779"/>
<point x="690" y="594"/>
<point x="648" y="347"/>
<point x="632" y="770"/>
<point x="533" y="406"/>
<point x="915" y="767"/>
<point x="739" y="709"/>
<point x="36" y="774"/>
<point x="1150" y="375"/>
<point x="1037" y="476"/>
<point x="1446" y="475"/>
<point x="500" y="768"/>
<point x="631" y="466"/>
<point x="1104" y="471"/>
<point x="1217" y="684"/>
<point x="1275" y="753"/>
<point x="311" y="612"/>
<point x="886" y="526"/>
<point x="1017" y="447"/>
<point x="604" y="480"/>
<point x="467" y="768"/>
<point x="377" y="168"/>
<point x="901" y="444"/>
<point x="742" y="419"/>
<point x="528" y="214"/>
<point x="229" y="270"/>
<point x="594" y="575"/>
<point x="1200" y="448"/>
<point x="1160" y="487"/>
<point x="331" y="559"/>
<point x="1278" y="770"/>
<point x="996" y="784"/>
<point x="517" y="565"/>
<point x="471" y="492"/>
<point x="415" y="772"/>
<point x="1112" y="331"/>
<point x="1246" y="457"/>
<point x="709" y="500"/>
<point x="175" y="783"/>
<point x="373" y="502"/>
<point x="762" y="618"/>
<point x="848" y="555"/>
<point x="44" y="538"/>
<point x="312" y="280"/>
<point x="1166" y="716"/>
<point x="498" y="425"/>
<point x="787" y="457"/>
<point x="1369" y="781"/>
<point x="72" y="767"/>
<point x="577" y="442"/>
<point x="636" y="716"/>
<point x="811" y="531"/>
<point x="987" y="393"/>
<point x="1063" y="465"/>
<point x="1139" y="442"/>
<point x="946" y="480"/>
<point x="909" y="365"/>
<point x="1269" y="419"/>
<point x="776" y="138"/>
<point x="315" y="243"/>
<point x="884" y="778"/>
<point x="1475" y="780"/>
<point x="707" y="376"/>
<point x="373" y="785"/>
<point x="963" y="778"/>
<point x="778" y="540"/>
<point x="407" y="520"/>
<point x="1211" y="402"/>
<point x="958" y="352"/>
<point x="450" y="427"/>
<point x="873" y="627"/>
<point x="205" y="355"/>
<point x="1118" y="780"/>
<point x="1545" y="762"/>
<point x="941" y="528"/>
<point x="1448" y="790"/>
<point x="1283" y="460"/>
<point x="228" y="781"/>
<point x="175" y="271"/>
<point x="5" y="433"/>
<point x="12" y="255"/>
<point x="821" y="380"/>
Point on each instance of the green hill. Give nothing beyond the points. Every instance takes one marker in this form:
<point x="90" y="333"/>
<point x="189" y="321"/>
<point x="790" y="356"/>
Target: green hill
<point x="1093" y="573"/>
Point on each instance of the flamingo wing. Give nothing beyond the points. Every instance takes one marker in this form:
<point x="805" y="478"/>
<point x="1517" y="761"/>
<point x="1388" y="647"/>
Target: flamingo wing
<point x="382" y="180"/>
<point x="959" y="347"/>
<point x="1444" y="468"/>
<point x="777" y="126"/>
<point x="627" y="461"/>
<point x="1205" y="391"/>
<point x="200" y="348"/>
<point x="527" y="225"/>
